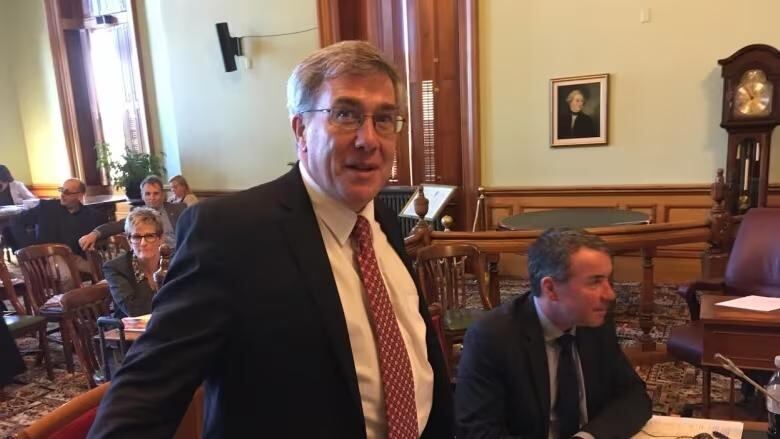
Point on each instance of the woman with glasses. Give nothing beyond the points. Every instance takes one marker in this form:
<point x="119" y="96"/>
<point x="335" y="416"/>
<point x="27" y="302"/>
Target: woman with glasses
<point x="130" y="276"/>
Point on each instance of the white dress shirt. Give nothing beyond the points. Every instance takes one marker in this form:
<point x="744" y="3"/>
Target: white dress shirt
<point x="551" y="334"/>
<point x="336" y="222"/>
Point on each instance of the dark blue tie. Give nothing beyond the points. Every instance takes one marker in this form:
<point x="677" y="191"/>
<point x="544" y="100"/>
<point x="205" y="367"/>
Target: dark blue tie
<point x="567" y="400"/>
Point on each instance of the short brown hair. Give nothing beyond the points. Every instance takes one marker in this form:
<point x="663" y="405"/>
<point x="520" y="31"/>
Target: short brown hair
<point x="337" y="60"/>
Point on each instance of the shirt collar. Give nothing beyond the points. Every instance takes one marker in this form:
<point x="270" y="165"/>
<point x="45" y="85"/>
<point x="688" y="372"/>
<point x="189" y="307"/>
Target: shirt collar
<point x="549" y="330"/>
<point x="338" y="218"/>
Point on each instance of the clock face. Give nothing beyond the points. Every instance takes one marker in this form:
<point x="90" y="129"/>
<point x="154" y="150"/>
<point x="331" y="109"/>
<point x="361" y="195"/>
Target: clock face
<point x="753" y="95"/>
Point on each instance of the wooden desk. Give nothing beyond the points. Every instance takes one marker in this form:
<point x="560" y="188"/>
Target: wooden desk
<point x="580" y="218"/>
<point x="104" y="203"/>
<point x="751" y="339"/>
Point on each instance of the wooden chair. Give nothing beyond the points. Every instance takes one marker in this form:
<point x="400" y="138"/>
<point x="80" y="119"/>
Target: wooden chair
<point x="49" y="270"/>
<point x="442" y="271"/>
<point x="753" y="267"/>
<point x="21" y="324"/>
<point x="75" y="417"/>
<point x="82" y="307"/>
<point x="105" y="250"/>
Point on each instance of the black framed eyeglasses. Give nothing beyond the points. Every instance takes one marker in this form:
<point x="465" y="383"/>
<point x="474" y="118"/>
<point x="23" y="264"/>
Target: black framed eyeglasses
<point x="386" y="123"/>
<point x="150" y="238"/>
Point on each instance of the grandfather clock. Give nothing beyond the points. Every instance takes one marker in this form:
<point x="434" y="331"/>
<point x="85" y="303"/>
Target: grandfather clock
<point x="751" y="90"/>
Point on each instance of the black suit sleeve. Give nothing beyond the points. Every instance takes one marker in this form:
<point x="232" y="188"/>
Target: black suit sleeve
<point x="192" y="316"/>
<point x="110" y="228"/>
<point x="123" y="290"/>
<point x="481" y="393"/>
<point x="628" y="407"/>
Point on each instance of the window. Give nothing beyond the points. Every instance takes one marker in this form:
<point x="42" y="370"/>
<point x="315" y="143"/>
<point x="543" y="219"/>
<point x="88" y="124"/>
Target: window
<point x="98" y="74"/>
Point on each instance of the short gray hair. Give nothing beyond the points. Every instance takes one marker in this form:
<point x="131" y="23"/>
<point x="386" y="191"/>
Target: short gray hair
<point x="143" y="215"/>
<point x="151" y="179"/>
<point x="550" y="254"/>
<point x="341" y="59"/>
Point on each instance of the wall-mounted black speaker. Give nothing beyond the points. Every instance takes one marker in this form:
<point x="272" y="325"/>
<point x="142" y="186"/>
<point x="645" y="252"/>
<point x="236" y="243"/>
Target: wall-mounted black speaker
<point x="230" y="46"/>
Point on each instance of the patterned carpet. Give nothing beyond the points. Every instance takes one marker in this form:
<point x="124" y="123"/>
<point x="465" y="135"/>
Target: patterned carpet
<point x="671" y="385"/>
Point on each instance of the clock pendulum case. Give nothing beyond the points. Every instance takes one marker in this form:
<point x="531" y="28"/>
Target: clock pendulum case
<point x="751" y="84"/>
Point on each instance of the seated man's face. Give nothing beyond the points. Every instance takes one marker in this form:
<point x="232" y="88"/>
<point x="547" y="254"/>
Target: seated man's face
<point x="576" y="104"/>
<point x="152" y="195"/>
<point x="586" y="296"/>
<point x="71" y="194"/>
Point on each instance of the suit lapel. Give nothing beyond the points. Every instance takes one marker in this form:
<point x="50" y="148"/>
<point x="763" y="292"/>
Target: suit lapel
<point x="303" y="235"/>
<point x="536" y="355"/>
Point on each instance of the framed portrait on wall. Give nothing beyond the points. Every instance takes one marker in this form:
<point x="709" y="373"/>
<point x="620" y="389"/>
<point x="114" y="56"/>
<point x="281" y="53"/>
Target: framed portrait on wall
<point x="579" y="110"/>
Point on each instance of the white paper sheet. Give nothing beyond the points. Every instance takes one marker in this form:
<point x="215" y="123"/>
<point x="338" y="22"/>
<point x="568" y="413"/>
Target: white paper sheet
<point x="753" y="303"/>
<point x="674" y="426"/>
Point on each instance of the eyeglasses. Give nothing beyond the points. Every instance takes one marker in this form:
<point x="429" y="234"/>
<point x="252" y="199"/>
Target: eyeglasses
<point x="64" y="191"/>
<point x="150" y="238"/>
<point x="386" y="123"/>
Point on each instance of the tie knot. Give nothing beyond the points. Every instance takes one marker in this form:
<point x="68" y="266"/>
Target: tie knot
<point x="362" y="230"/>
<point x="565" y="341"/>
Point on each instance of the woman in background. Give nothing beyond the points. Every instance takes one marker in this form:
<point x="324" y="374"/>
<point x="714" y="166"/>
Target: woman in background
<point x="130" y="276"/>
<point x="12" y="191"/>
<point x="181" y="191"/>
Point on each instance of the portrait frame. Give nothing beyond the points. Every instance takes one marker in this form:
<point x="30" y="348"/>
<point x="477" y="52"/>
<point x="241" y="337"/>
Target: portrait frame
<point x="438" y="196"/>
<point x="583" y="122"/>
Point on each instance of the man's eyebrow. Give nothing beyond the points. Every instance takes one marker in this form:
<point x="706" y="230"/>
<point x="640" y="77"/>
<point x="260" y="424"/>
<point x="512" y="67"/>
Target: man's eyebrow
<point x="345" y="100"/>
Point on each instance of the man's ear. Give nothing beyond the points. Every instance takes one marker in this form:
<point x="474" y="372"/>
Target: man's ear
<point x="547" y="285"/>
<point x="299" y="128"/>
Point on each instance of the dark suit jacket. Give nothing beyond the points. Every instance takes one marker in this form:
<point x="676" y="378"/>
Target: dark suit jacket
<point x="131" y="298"/>
<point x="11" y="364"/>
<point x="173" y="210"/>
<point x="51" y="222"/>
<point x="583" y="126"/>
<point x="251" y="306"/>
<point x="503" y="386"/>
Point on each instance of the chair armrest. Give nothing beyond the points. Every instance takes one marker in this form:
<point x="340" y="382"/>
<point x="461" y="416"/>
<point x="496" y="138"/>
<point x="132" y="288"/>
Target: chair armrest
<point x="688" y="292"/>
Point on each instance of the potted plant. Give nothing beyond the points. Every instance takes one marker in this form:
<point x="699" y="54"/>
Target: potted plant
<point x="130" y="170"/>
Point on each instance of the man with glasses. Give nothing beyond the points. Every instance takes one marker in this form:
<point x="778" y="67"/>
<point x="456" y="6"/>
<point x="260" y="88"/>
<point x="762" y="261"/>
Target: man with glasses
<point x="153" y="195"/>
<point x="295" y="300"/>
<point x="61" y="221"/>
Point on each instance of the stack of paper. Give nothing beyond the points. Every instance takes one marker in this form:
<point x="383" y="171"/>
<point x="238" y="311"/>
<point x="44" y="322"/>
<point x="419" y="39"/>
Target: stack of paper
<point x="753" y="303"/>
<point x="136" y="324"/>
<point x="688" y="427"/>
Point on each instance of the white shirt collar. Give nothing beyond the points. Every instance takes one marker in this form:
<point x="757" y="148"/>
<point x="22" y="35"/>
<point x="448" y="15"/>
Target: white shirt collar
<point x="549" y="330"/>
<point x="338" y="218"/>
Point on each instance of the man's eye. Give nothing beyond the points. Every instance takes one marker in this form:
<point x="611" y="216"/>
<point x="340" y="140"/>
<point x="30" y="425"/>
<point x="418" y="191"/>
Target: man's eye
<point x="346" y="114"/>
<point x="384" y="118"/>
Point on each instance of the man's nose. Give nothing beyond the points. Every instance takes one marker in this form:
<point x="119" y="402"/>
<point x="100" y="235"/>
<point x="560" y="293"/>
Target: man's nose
<point x="367" y="136"/>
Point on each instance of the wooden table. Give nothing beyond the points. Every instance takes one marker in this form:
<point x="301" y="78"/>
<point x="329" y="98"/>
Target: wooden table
<point x="105" y="204"/>
<point x="580" y="218"/>
<point x="751" y="339"/>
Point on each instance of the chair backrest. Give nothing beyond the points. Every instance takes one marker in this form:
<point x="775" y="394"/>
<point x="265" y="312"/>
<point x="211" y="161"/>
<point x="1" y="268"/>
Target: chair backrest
<point x="48" y="269"/>
<point x="82" y="307"/>
<point x="8" y="291"/>
<point x="442" y="270"/>
<point x="105" y="250"/>
<point x="75" y="417"/>
<point x="754" y="263"/>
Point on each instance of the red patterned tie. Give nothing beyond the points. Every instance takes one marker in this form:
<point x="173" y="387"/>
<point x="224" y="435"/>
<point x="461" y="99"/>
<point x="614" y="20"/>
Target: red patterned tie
<point x="394" y="364"/>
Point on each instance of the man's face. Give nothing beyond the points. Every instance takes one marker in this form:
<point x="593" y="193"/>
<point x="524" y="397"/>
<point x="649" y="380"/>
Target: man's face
<point x="71" y="195"/>
<point x="586" y="296"/>
<point x="576" y="103"/>
<point x="152" y="195"/>
<point x="350" y="166"/>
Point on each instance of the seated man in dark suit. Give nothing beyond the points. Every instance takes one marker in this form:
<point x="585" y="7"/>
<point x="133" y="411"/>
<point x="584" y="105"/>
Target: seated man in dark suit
<point x="154" y="198"/>
<point x="61" y="221"/>
<point x="547" y="364"/>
